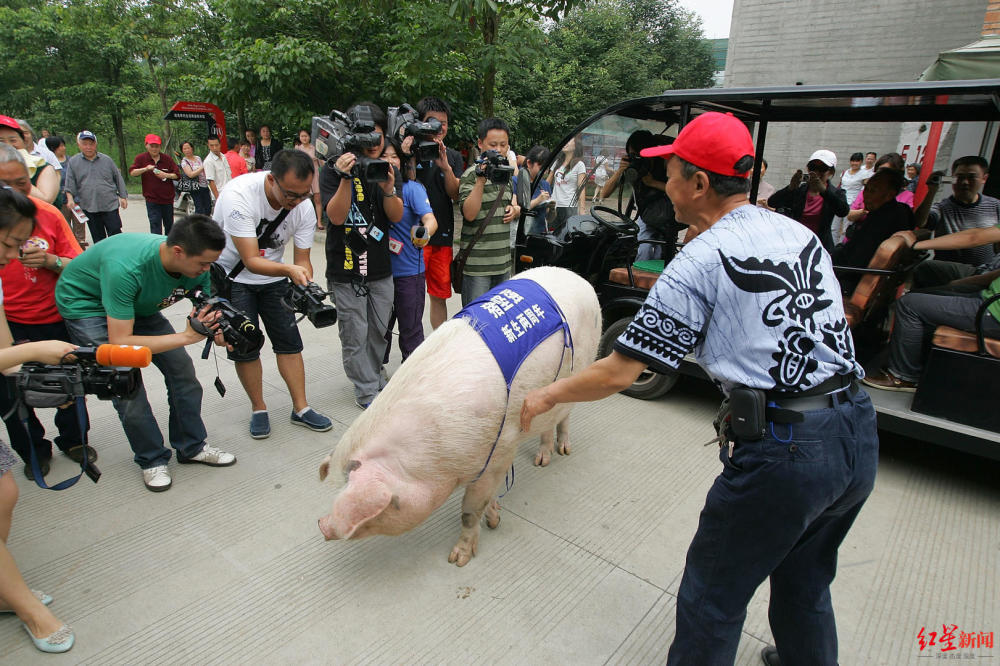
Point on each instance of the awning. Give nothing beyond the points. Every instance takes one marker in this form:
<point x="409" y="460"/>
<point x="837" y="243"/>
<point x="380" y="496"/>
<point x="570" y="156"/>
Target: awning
<point x="978" y="60"/>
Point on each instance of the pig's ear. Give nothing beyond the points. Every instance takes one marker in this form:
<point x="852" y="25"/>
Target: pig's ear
<point x="324" y="468"/>
<point x="357" y="504"/>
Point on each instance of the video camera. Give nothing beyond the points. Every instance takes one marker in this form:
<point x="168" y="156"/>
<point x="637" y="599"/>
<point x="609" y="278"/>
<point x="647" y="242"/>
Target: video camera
<point x="494" y="167"/>
<point x="340" y="133"/>
<point x="236" y="327"/>
<point x="42" y="385"/>
<point x="308" y="301"/>
<point x="404" y="121"/>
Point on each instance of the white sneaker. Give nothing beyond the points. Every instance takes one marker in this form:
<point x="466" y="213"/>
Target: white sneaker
<point x="156" y="478"/>
<point x="210" y="456"/>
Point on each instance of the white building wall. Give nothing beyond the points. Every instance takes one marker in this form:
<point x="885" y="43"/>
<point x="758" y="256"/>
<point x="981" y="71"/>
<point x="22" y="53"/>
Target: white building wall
<point x="789" y="42"/>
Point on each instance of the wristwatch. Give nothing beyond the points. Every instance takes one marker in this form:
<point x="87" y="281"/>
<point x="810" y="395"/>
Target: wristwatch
<point x="58" y="267"/>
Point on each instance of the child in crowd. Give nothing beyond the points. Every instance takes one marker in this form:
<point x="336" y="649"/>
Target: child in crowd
<point x="407" y="239"/>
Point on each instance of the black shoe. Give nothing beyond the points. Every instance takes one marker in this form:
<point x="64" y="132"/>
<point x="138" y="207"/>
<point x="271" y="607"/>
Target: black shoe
<point x="31" y="476"/>
<point x="769" y="655"/>
<point x="74" y="454"/>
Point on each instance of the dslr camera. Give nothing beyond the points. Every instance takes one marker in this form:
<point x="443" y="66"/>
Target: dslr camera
<point x="341" y="133"/>
<point x="404" y="121"/>
<point x="638" y="167"/>
<point x="494" y="167"/>
<point x="236" y="327"/>
<point x="308" y="301"/>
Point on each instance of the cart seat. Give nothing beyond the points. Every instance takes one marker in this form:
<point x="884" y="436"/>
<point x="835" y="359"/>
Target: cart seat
<point x="958" y="340"/>
<point x="644" y="272"/>
<point x="873" y="291"/>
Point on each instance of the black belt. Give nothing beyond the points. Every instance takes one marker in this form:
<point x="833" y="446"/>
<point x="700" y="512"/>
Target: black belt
<point x="839" y="393"/>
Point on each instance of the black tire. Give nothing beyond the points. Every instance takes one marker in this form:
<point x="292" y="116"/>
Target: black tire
<point x="649" y="385"/>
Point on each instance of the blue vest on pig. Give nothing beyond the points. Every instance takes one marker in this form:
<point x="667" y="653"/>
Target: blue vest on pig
<point x="512" y="319"/>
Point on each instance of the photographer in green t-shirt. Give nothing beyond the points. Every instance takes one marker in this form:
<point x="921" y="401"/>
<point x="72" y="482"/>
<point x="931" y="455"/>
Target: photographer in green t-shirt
<point x="113" y="293"/>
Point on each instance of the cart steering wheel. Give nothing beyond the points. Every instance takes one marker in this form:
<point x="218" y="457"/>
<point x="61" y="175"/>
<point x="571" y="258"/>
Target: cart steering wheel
<point x="620" y="224"/>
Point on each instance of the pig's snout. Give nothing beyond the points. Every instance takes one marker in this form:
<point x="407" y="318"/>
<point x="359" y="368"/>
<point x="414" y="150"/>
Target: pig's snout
<point x="327" y="529"/>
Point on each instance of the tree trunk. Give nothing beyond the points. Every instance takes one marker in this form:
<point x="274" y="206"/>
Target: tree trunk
<point x="119" y="128"/>
<point x="117" y="123"/>
<point x="161" y="89"/>
<point x="489" y="25"/>
<point x="241" y="122"/>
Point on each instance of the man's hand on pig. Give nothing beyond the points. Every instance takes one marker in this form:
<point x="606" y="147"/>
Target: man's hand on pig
<point x="535" y="403"/>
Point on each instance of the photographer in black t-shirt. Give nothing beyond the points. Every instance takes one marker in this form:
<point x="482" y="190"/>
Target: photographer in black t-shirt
<point x="440" y="178"/>
<point x="358" y="270"/>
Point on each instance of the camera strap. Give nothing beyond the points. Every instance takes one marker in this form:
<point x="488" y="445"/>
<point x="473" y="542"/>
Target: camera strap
<point x="463" y="254"/>
<point x="36" y="469"/>
<point x="268" y="230"/>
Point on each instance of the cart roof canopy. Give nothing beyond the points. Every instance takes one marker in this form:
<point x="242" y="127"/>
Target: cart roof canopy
<point x="854" y="102"/>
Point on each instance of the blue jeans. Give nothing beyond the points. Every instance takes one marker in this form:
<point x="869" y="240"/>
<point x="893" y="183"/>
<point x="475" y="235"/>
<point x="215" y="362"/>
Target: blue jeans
<point x="474" y="286"/>
<point x="187" y="431"/>
<point x="779" y="509"/>
<point x="161" y="217"/>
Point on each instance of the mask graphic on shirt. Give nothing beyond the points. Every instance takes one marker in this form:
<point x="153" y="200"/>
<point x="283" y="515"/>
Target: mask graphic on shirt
<point x="800" y="297"/>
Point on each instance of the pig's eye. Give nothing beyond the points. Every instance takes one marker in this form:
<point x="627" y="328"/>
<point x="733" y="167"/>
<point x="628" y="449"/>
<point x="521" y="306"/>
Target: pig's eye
<point x="351" y="466"/>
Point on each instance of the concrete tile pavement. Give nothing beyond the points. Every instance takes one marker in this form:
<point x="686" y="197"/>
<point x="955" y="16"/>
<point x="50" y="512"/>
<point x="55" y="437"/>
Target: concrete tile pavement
<point x="228" y="566"/>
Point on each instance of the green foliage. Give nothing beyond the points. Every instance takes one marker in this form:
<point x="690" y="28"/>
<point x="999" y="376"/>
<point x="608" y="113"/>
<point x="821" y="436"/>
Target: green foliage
<point x="115" y="66"/>
<point x="601" y="53"/>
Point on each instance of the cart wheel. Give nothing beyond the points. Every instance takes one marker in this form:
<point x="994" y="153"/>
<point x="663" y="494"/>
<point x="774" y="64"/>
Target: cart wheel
<point x="650" y="384"/>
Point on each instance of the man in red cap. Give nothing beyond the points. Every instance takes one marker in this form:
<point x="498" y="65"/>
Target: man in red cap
<point x="754" y="298"/>
<point x="158" y="171"/>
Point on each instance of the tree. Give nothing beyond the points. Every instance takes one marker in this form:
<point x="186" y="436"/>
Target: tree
<point x="493" y="54"/>
<point x="57" y="71"/>
<point x="601" y="53"/>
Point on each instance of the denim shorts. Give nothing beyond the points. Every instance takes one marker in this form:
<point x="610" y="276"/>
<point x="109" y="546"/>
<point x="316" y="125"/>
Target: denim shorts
<point x="265" y="301"/>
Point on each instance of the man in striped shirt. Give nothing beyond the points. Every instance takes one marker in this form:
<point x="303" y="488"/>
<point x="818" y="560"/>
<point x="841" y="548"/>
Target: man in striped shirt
<point x="489" y="263"/>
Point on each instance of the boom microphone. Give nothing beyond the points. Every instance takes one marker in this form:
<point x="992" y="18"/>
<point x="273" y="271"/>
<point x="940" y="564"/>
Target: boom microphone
<point x="118" y="356"/>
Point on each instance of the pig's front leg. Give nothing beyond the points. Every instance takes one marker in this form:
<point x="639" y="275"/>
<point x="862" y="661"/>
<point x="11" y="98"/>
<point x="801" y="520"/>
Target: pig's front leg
<point x="477" y="497"/>
<point x="562" y="436"/>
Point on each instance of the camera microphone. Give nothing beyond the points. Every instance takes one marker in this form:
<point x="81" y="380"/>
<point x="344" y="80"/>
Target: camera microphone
<point x="419" y="236"/>
<point x="121" y="356"/>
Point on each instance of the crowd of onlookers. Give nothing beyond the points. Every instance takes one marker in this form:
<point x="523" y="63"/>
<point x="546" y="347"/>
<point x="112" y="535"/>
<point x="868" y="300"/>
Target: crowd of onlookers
<point x="390" y="248"/>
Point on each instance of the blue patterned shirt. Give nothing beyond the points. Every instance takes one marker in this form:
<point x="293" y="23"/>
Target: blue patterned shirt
<point x="755" y="298"/>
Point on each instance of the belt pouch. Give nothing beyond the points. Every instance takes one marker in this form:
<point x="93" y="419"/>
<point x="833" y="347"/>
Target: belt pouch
<point x="747" y="406"/>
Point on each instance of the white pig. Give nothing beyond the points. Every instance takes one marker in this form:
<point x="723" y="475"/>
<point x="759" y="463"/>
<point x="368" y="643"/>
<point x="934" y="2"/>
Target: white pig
<point x="432" y="428"/>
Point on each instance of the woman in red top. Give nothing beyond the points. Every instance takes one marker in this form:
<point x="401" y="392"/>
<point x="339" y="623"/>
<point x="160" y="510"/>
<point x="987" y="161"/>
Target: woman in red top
<point x="29" y="284"/>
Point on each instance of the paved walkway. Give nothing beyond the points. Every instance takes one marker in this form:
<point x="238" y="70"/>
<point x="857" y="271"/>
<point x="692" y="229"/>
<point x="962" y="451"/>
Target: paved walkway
<point x="229" y="567"/>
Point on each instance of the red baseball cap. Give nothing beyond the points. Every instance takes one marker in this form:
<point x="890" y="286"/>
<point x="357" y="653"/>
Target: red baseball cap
<point x="7" y="121"/>
<point x="152" y="138"/>
<point x="713" y="141"/>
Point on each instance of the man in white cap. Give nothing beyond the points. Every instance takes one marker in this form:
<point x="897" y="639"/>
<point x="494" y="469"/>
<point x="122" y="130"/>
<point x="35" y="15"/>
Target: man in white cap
<point x="754" y="298"/>
<point x="812" y="199"/>
<point x="94" y="183"/>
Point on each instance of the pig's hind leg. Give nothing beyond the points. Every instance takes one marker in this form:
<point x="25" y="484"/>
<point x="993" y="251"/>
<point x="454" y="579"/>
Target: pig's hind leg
<point x="544" y="454"/>
<point x="562" y="436"/>
<point x="545" y="447"/>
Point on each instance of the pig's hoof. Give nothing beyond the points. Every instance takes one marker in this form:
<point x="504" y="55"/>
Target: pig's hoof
<point x="542" y="458"/>
<point x="493" y="515"/>
<point x="563" y="448"/>
<point x="462" y="553"/>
